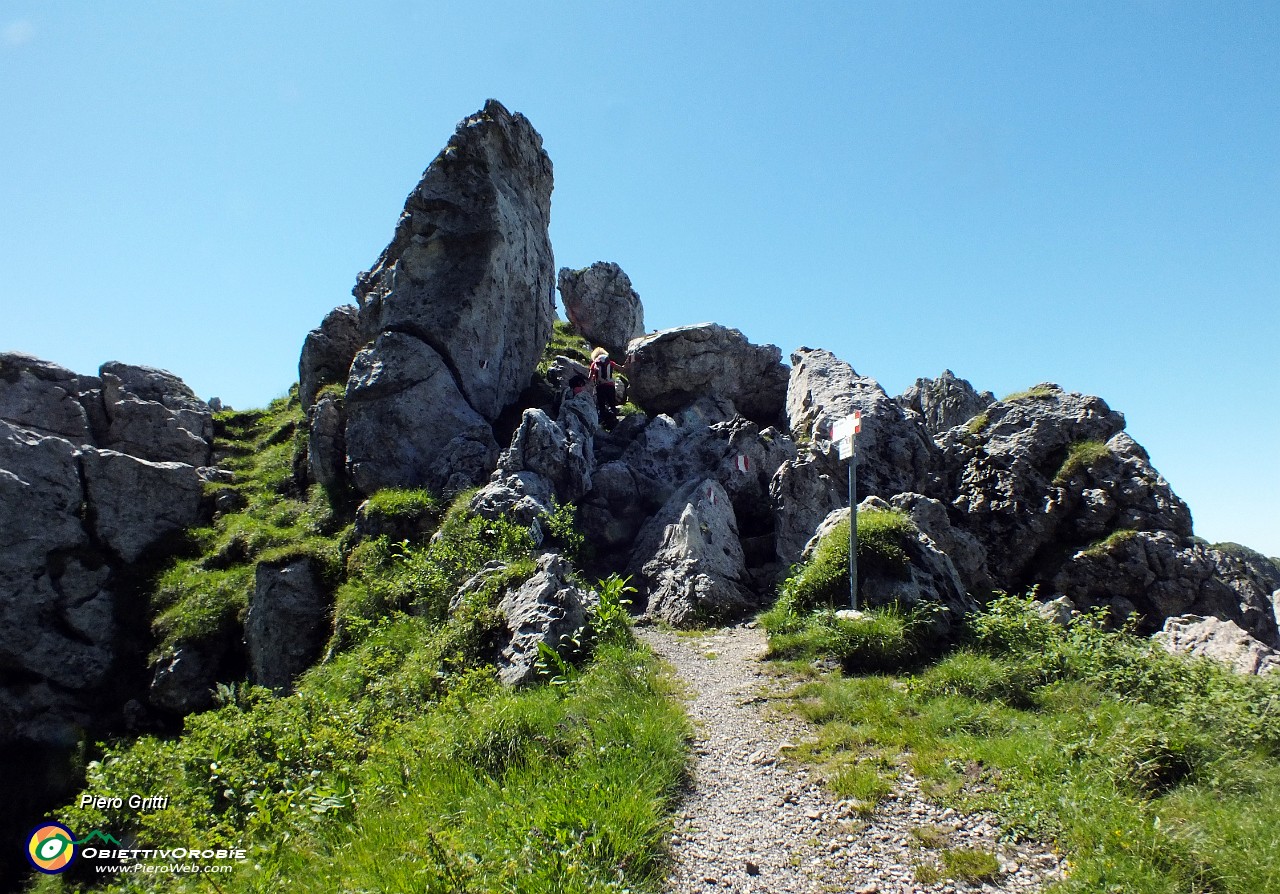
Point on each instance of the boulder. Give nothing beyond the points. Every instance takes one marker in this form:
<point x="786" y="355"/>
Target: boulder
<point x="602" y="305"/>
<point x="327" y="442"/>
<point x="136" y="503"/>
<point x="804" y="491"/>
<point x="153" y="415"/>
<point x="1002" y="476"/>
<point x="327" y="352"/>
<point x="183" y="680"/>
<point x="407" y="423"/>
<point x="544" y="447"/>
<point x="288" y="622"/>
<point x="965" y="551"/>
<point x="688" y="562"/>
<point x="521" y="497"/>
<point x="547" y="608"/>
<point x="671" y="369"/>
<point x="43" y="397"/>
<point x="929" y="578"/>
<point x="469" y="271"/>
<point x="944" y="402"/>
<point x="1219" y="640"/>
<point x="1161" y="575"/>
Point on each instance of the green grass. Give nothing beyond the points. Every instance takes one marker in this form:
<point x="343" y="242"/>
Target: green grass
<point x="1080" y="456"/>
<point x="1153" y="773"/>
<point x="1039" y="392"/>
<point x="564" y="340"/>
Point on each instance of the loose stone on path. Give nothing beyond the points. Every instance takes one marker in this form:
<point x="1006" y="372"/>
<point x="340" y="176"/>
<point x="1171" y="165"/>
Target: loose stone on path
<point x="753" y="821"/>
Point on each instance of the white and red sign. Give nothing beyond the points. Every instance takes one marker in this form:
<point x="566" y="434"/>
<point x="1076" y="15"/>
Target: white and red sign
<point x="743" y="463"/>
<point x="843" y="432"/>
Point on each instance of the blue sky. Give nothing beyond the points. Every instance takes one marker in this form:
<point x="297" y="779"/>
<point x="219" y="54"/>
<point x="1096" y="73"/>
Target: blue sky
<point x="1083" y="193"/>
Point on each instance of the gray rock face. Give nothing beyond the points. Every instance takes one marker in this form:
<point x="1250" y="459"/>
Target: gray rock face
<point x="183" y="680"/>
<point x="1161" y="575"/>
<point x="152" y="414"/>
<point x="46" y="398"/>
<point x="522" y="497"/>
<point x="602" y="305"/>
<point x="469" y="271"/>
<point x="407" y="423"/>
<point x="327" y="352"/>
<point x="287" y="624"/>
<point x="547" y="608"/>
<point x="945" y="402"/>
<point x="688" y="561"/>
<point x="895" y="454"/>
<point x="327" y="442"/>
<point x="1223" y="641"/>
<point x="671" y="369"/>
<point x="964" y="550"/>
<point x="544" y="447"/>
<point x="136" y="502"/>
<point x="930" y="578"/>
<point x="1002" y="474"/>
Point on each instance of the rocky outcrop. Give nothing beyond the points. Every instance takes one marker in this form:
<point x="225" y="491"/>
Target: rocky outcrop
<point x="895" y="454"/>
<point x="153" y="415"/>
<point x="288" y="622"/>
<point x="407" y="423"/>
<point x="136" y="503"/>
<point x="688" y="562"/>
<point x="327" y="352"/>
<point x="1158" y="575"/>
<point x="458" y="309"/>
<point x="327" y="442"/>
<point x="547" y="608"/>
<point x="929" y="578"/>
<point x="671" y="369"/>
<point x="1219" y="640"/>
<point x="74" y="516"/>
<point x="944" y="402"/>
<point x="602" y="305"/>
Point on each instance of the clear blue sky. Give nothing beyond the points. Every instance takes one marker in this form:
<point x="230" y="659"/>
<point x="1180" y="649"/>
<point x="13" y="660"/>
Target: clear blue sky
<point x="1084" y="193"/>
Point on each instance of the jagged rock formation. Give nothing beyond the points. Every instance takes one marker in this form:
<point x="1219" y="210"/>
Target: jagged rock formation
<point x="74" y="516"/>
<point x="327" y="352"/>
<point x="671" y="369"/>
<point x="453" y="317"/>
<point x="602" y="305"/>
<point x="944" y="402"/>
<point x="288" y="622"/>
<point x="1224" y="641"/>
<point x="895" y="453"/>
<point x="689" y="560"/>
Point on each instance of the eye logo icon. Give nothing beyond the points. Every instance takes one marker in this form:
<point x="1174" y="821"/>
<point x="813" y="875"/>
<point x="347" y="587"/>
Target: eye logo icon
<point x="51" y="848"/>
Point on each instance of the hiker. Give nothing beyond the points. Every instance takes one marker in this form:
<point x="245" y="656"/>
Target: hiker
<point x="602" y="370"/>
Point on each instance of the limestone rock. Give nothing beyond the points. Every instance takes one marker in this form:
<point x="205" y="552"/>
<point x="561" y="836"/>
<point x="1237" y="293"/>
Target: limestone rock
<point x="602" y="305"/>
<point x="522" y="497"/>
<point x="470" y="270"/>
<point x="688" y="562"/>
<point x="1224" y="641"/>
<point x="288" y="622"/>
<point x="945" y="402"/>
<point x="1001" y="475"/>
<point x="327" y="442"/>
<point x="43" y="397"/>
<point x="327" y="352"/>
<point x="1161" y="575"/>
<point x="548" y="608"/>
<point x="804" y="491"/>
<point x="930" y="578"/>
<point x="153" y="415"/>
<point x="407" y="424"/>
<point x="183" y="680"/>
<point x="965" y="551"/>
<point x="671" y="369"/>
<point x="565" y="458"/>
<point x="136" y="502"/>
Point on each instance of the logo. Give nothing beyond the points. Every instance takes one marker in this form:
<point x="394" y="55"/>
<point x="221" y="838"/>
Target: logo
<point x="51" y="848"/>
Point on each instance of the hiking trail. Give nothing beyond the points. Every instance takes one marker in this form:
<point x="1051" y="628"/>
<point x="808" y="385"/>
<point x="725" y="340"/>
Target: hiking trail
<point x="754" y="820"/>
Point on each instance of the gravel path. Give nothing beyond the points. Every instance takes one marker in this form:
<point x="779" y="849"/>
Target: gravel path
<point x="754" y="821"/>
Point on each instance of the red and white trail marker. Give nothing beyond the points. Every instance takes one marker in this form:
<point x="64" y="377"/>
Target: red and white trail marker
<point x="743" y="463"/>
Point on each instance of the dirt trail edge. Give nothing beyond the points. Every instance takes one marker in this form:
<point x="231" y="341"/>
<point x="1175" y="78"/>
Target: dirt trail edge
<point x="755" y="821"/>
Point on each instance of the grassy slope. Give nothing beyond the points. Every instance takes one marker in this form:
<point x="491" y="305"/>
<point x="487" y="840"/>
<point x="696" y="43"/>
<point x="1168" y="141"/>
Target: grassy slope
<point x="1153" y="773"/>
<point x="402" y="742"/>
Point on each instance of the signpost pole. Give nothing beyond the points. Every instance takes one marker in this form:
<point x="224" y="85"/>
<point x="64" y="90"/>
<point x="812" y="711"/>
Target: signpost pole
<point x="853" y="523"/>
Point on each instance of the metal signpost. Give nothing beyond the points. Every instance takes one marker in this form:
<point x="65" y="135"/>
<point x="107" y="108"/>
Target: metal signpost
<point x="844" y="433"/>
